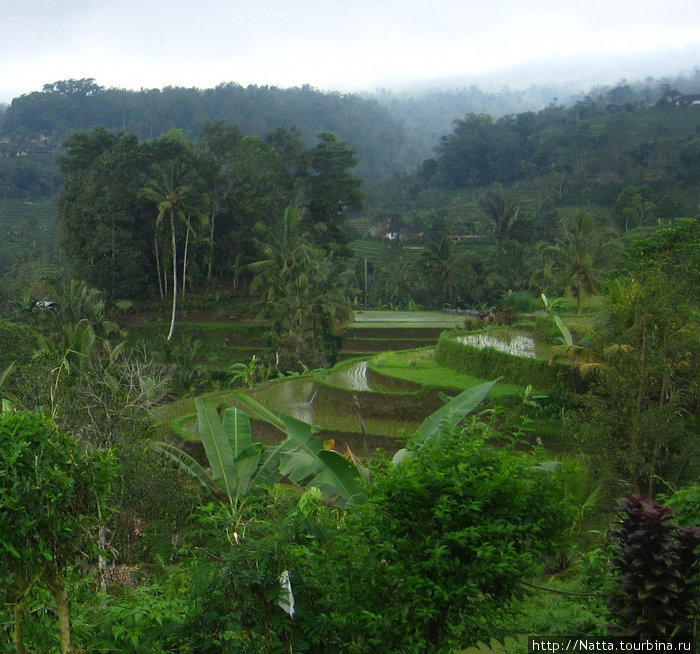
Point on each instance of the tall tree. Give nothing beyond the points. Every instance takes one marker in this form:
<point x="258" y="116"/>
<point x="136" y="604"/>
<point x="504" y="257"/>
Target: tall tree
<point x="103" y="231"/>
<point x="303" y="285"/>
<point x="216" y="148"/>
<point x="635" y="206"/>
<point x="503" y="213"/>
<point x="331" y="190"/>
<point x="176" y="193"/>
<point x="647" y="396"/>
<point x="328" y="306"/>
<point x="248" y="179"/>
<point x="442" y="264"/>
<point x="578" y="259"/>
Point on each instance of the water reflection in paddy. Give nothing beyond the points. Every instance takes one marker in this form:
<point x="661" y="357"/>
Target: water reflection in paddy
<point x="305" y="400"/>
<point x="353" y="376"/>
<point x="295" y="397"/>
<point x="516" y="344"/>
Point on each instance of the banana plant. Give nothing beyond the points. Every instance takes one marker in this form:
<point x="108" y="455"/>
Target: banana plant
<point x="566" y="336"/>
<point x="237" y="466"/>
<point x="306" y="461"/>
<point x="5" y="404"/>
<point x="444" y="419"/>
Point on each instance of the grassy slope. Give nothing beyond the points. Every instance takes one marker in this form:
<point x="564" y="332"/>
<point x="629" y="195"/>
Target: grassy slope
<point x="419" y="366"/>
<point x="28" y="228"/>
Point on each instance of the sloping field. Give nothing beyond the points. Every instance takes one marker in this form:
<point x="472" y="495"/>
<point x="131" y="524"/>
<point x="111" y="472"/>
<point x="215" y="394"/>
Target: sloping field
<point x="28" y="228"/>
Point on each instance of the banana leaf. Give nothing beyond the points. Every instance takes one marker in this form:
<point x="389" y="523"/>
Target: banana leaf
<point x="217" y="448"/>
<point x="450" y="415"/>
<point x="307" y="462"/>
<point x="237" y="429"/>
<point x="189" y="465"/>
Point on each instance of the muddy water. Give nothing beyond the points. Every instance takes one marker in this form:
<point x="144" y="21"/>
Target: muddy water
<point x="340" y="406"/>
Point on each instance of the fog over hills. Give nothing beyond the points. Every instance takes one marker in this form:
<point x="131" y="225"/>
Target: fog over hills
<point x="570" y="75"/>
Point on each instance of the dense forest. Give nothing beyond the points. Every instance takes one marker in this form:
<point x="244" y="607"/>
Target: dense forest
<point x="427" y="367"/>
<point x="37" y="123"/>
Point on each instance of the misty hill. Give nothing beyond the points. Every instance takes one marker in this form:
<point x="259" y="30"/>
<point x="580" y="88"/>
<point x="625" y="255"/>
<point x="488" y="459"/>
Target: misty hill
<point x="428" y="112"/>
<point x="36" y="123"/>
<point x="393" y="132"/>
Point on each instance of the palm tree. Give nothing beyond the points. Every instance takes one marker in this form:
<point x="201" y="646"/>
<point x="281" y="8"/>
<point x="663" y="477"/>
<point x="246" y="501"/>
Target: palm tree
<point x="327" y="303"/>
<point x="439" y="259"/>
<point x="176" y="193"/>
<point x="578" y="257"/>
<point x="503" y="212"/>
<point x="303" y="284"/>
<point x="282" y="245"/>
<point x="282" y="272"/>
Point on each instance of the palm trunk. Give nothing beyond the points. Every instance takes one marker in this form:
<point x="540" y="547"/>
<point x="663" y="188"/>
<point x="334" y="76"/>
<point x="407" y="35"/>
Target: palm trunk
<point x="184" y="259"/>
<point x="174" y="246"/>
<point x="160" y="277"/>
<point x="212" y="222"/>
<point x="578" y="300"/>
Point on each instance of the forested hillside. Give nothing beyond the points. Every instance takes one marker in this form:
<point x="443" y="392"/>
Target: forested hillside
<point x="584" y="153"/>
<point x="628" y="155"/>
<point x="393" y="132"/>
<point x="428" y="113"/>
<point x="34" y="125"/>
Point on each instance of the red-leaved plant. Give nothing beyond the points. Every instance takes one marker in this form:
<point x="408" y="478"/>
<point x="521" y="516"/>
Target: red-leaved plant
<point x="657" y="567"/>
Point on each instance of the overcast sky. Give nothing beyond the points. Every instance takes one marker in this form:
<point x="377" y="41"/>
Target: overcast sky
<point x="345" y="45"/>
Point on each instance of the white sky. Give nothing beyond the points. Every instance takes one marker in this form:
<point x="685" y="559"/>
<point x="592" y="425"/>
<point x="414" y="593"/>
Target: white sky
<point x="346" y="45"/>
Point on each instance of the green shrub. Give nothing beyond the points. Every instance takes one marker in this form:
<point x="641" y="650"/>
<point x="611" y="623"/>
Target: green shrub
<point x="233" y="599"/>
<point x="521" y="301"/>
<point x="132" y="620"/>
<point x="557" y="615"/>
<point x="686" y="504"/>
<point x="51" y="490"/>
<point x="506" y="316"/>
<point x="18" y="343"/>
<point x="153" y="506"/>
<point x="433" y="560"/>
<point x="472" y="323"/>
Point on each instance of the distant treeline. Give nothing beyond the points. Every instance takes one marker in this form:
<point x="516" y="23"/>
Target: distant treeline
<point x="428" y="114"/>
<point x="35" y="124"/>
<point x="391" y="132"/>
<point x="582" y="154"/>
